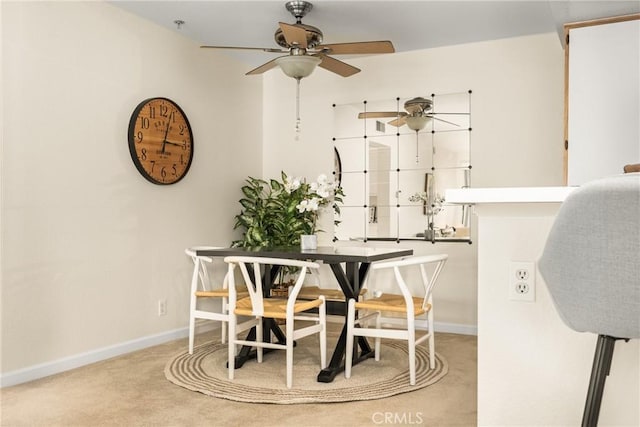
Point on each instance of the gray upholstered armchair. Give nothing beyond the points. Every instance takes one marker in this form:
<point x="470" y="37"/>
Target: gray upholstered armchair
<point x="591" y="264"/>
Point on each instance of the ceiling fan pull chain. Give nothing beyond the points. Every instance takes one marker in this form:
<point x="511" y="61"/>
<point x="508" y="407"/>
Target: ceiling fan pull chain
<point x="417" y="150"/>
<point x="297" y="107"/>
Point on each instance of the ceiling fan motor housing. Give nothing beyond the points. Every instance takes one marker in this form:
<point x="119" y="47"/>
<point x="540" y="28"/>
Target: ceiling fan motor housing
<point x="417" y="106"/>
<point x="314" y="36"/>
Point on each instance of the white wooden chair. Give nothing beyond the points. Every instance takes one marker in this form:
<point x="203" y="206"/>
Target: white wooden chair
<point x="257" y="307"/>
<point x="203" y="288"/>
<point x="410" y="307"/>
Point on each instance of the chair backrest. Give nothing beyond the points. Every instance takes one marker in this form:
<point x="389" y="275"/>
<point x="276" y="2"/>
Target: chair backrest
<point x="591" y="260"/>
<point x="254" y="278"/>
<point x="200" y="279"/>
<point x="428" y="278"/>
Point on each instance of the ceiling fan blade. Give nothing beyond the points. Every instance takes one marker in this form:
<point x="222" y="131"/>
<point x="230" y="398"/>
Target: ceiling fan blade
<point x="380" y="114"/>
<point x="338" y="67"/>
<point x="264" y="49"/>
<point x="441" y="120"/>
<point x="398" y="122"/>
<point x="384" y="46"/>
<point x="295" y="36"/>
<point x="264" y="67"/>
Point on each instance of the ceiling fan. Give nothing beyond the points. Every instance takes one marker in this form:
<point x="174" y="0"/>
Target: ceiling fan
<point x="416" y="117"/>
<point x="304" y="50"/>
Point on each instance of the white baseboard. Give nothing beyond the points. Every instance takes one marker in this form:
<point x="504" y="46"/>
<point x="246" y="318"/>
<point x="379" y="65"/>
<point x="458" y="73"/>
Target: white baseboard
<point x="455" y="328"/>
<point x="65" y="364"/>
<point x="448" y="328"/>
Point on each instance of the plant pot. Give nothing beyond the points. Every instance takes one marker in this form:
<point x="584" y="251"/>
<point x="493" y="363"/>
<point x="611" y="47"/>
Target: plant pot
<point x="308" y="242"/>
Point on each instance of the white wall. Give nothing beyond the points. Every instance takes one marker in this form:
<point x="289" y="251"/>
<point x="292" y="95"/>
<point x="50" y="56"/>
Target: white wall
<point x="88" y="245"/>
<point x="516" y="116"/>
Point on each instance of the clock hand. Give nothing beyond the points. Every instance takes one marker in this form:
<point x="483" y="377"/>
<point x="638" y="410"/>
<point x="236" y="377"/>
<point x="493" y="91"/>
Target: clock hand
<point x="166" y="131"/>
<point x="173" y="143"/>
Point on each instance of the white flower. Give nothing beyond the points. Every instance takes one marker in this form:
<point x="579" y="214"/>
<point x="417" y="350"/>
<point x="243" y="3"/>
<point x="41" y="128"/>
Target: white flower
<point x="323" y="192"/>
<point x="291" y="186"/>
<point x="433" y="206"/>
<point x="418" y="197"/>
<point x="322" y="187"/>
<point x="309" y="205"/>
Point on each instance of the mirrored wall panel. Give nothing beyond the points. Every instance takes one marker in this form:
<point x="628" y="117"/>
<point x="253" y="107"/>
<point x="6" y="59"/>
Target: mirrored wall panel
<point x="395" y="158"/>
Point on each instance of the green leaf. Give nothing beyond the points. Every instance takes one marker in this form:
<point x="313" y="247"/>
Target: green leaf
<point x="247" y="203"/>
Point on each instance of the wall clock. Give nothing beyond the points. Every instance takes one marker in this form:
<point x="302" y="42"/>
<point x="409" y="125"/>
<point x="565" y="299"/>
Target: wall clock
<point x="160" y="141"/>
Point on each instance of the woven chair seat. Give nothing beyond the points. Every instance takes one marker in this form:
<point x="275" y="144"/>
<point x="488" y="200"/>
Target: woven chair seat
<point x="392" y="303"/>
<point x="241" y="292"/>
<point x="275" y="308"/>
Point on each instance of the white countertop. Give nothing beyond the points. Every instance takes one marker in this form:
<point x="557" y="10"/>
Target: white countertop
<point x="472" y="196"/>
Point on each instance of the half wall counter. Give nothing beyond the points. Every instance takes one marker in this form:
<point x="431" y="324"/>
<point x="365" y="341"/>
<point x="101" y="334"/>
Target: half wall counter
<point x="532" y="368"/>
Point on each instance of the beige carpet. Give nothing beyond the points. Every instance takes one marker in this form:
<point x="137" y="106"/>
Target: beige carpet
<point x="132" y="390"/>
<point x="205" y="372"/>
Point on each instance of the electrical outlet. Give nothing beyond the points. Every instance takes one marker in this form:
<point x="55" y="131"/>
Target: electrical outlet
<point x="522" y="273"/>
<point x="522" y="286"/>
<point x="162" y="307"/>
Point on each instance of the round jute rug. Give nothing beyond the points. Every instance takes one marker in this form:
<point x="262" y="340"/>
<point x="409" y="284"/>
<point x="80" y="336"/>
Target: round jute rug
<point x="205" y="372"/>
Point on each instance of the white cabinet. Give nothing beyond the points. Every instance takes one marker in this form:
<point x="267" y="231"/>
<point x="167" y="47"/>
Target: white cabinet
<point x="603" y="98"/>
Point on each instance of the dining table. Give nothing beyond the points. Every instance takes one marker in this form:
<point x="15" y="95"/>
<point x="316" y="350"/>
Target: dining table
<point x="349" y="265"/>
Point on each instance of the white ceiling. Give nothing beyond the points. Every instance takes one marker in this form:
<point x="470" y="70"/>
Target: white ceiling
<point x="410" y="25"/>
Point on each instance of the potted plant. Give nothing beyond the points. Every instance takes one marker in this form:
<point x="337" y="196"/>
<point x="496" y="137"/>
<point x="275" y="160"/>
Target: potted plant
<point x="278" y="213"/>
<point x="433" y="206"/>
<point x="281" y="213"/>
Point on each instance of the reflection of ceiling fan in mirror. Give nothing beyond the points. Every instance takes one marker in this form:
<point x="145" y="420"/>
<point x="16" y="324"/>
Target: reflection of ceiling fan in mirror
<point x="304" y="51"/>
<point x="416" y="117"/>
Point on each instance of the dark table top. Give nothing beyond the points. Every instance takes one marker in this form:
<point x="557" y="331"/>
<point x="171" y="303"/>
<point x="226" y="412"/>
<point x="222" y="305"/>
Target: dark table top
<point x="327" y="254"/>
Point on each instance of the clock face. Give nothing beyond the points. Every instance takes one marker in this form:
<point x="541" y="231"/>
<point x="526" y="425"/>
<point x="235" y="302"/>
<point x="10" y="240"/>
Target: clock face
<point x="160" y="141"/>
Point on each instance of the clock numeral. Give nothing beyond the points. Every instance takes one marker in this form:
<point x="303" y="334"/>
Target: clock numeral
<point x="163" y="173"/>
<point x="143" y="153"/>
<point x="153" y="165"/>
<point x="181" y="160"/>
<point x="152" y="111"/>
<point x="144" y="122"/>
<point x="174" y="169"/>
<point x="164" y="110"/>
<point x="139" y="136"/>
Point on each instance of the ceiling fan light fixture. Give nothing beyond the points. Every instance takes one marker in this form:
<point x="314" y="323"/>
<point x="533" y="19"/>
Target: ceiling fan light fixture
<point x="417" y="123"/>
<point x="298" y="66"/>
